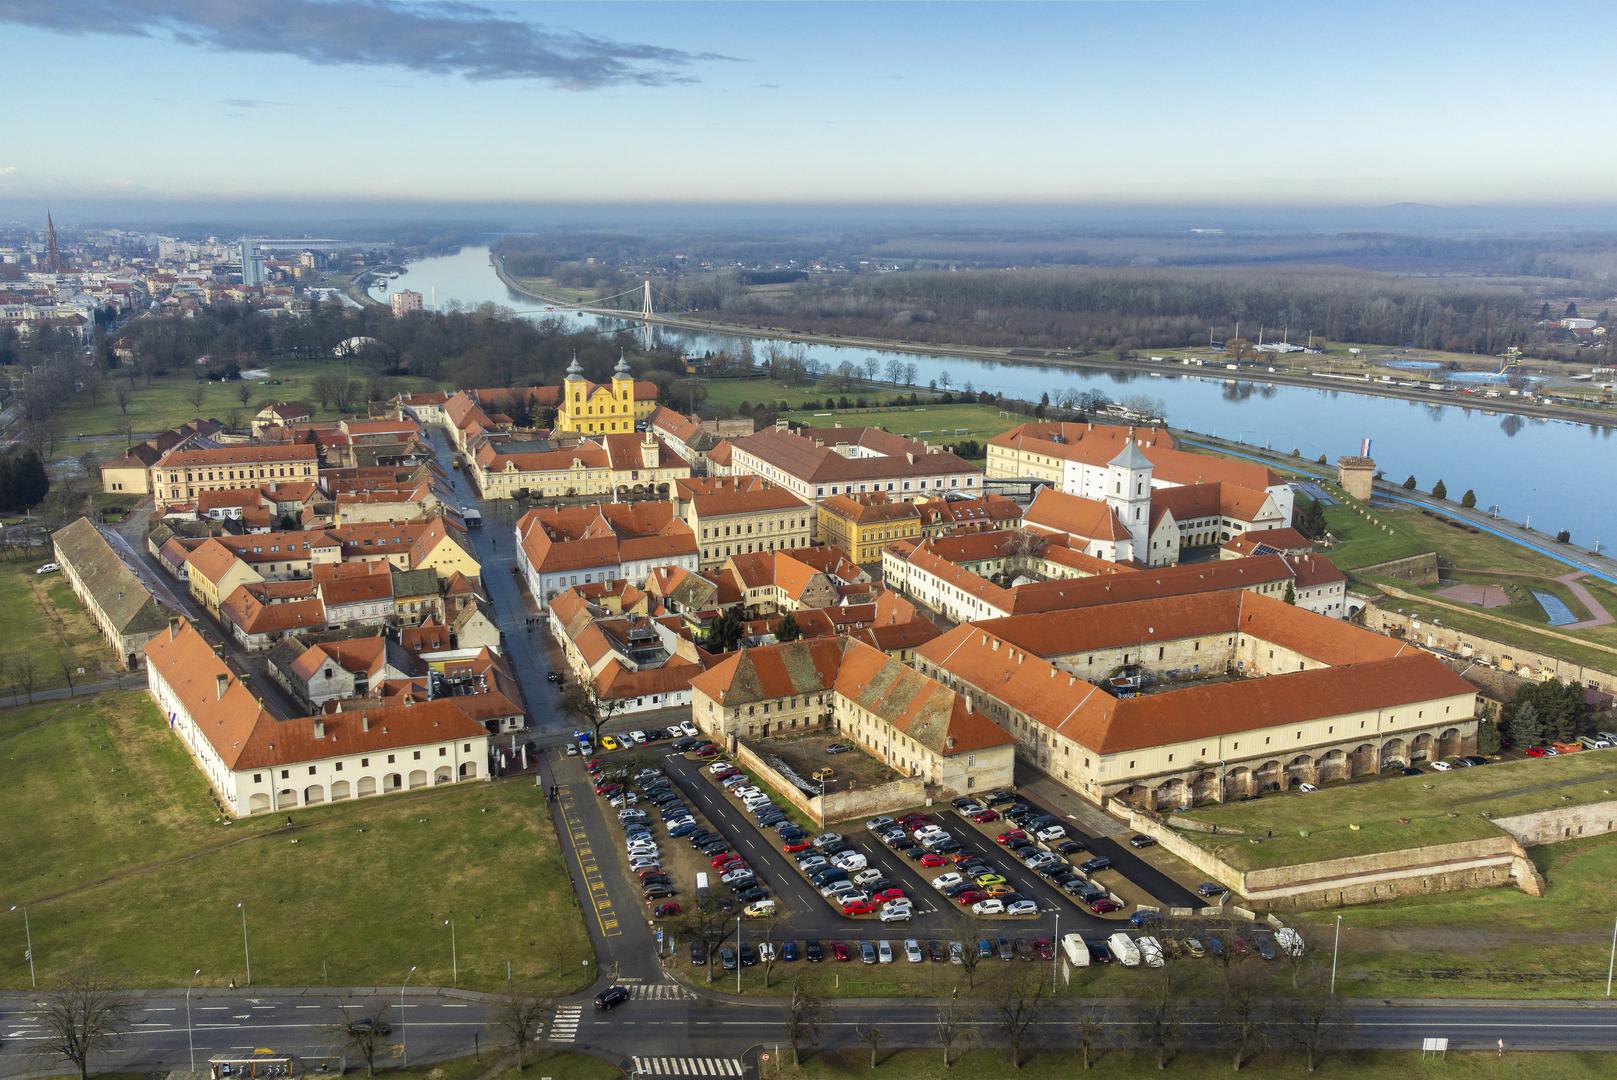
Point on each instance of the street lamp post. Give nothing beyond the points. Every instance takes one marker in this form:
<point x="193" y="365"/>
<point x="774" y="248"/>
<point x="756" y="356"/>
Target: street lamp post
<point x="738" y="954"/>
<point x="1612" y="965"/>
<point x="404" y="1042"/>
<point x="28" y="938"/>
<point x="1055" y="953"/>
<point x="190" y="1041"/>
<point x="246" y="950"/>
<point x="454" y="956"/>
<point x="1335" y="946"/>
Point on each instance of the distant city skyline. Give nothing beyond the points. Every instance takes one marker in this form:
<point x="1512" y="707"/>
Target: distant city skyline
<point x="1261" y="101"/>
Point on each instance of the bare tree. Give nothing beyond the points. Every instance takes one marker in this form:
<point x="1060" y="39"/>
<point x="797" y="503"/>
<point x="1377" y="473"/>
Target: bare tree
<point x="1088" y="1025"/>
<point x="198" y="392"/>
<point x="951" y="1028"/>
<point x="802" y="1019"/>
<point x="365" y="1034"/>
<point x="1017" y="997"/>
<point x="1026" y="542"/>
<point x="1159" y="1011"/>
<point x="1314" y="1019"/>
<point x="244" y="393"/>
<point x="895" y="371"/>
<point x="22" y="674"/>
<point x="705" y="922"/>
<point x="767" y="925"/>
<point x="521" y="1013"/>
<point x="969" y="959"/>
<point x="126" y="430"/>
<point x="84" y="1018"/>
<point x="580" y="700"/>
<point x="871" y="1035"/>
<point x="1247" y="988"/>
<point x="69" y="668"/>
<point x="120" y="394"/>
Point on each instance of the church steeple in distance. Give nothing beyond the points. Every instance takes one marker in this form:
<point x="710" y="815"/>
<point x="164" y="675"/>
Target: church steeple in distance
<point x="53" y="254"/>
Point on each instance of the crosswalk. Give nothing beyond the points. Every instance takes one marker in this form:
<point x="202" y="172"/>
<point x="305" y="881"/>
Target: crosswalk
<point x="564" y="1028"/>
<point x="686" y="1066"/>
<point x="660" y="992"/>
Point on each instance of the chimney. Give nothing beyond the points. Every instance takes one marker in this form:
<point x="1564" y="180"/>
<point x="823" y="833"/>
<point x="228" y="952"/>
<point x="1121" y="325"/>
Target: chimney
<point x="319" y="729"/>
<point x="365" y="723"/>
<point x="221" y="683"/>
<point x="173" y="627"/>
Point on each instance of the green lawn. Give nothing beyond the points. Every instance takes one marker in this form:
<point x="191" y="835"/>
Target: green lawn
<point x="46" y="625"/>
<point x="931" y="423"/>
<point x="1362" y="541"/>
<point x="1490" y="942"/>
<point x="1440" y="808"/>
<point x="113" y="842"/>
<point x="730" y="393"/>
<point x="1116" y="1065"/>
<point x="168" y="400"/>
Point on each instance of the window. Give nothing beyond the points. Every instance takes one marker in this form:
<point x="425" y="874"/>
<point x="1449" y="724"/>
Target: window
<point x="284" y="774"/>
<point x="364" y="763"/>
<point x="390" y="759"/>
<point x="258" y="778"/>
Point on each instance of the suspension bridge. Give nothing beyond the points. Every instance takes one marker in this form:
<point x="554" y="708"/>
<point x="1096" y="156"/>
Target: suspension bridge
<point x="642" y="303"/>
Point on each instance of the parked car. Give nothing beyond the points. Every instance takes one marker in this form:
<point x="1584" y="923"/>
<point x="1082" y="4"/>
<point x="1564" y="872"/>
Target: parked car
<point x="1105" y="906"/>
<point x="867" y="953"/>
<point x="895" y="912"/>
<point x="611" y="997"/>
<point x="813" y="951"/>
<point x="1095" y="865"/>
<point x="1441" y="766"/>
<point x="1210" y="889"/>
<point x="1021" y="907"/>
<point x="1140" y="840"/>
<point x="840" y="951"/>
<point x="990" y="906"/>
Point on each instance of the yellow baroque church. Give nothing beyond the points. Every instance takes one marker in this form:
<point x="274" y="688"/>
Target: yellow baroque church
<point x="596" y="409"/>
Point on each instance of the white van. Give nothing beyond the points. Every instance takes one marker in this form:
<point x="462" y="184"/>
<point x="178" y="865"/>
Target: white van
<point x="1592" y="743"/>
<point x="1122" y="946"/>
<point x="1076" y="948"/>
<point x="701" y="886"/>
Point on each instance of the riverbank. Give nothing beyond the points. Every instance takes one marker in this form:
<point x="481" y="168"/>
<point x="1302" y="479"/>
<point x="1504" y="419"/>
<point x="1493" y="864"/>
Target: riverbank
<point x="1016" y="355"/>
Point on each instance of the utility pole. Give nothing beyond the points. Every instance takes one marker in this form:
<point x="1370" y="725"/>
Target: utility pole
<point x="1334" y="948"/>
<point x="247" y="953"/>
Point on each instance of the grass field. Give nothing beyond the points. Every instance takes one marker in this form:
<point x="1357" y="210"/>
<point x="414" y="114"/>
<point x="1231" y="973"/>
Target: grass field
<point x="112" y="841"/>
<point x="168" y="400"/>
<point x="1118" y="1065"/>
<point x="45" y="624"/>
<point x="730" y="393"/>
<point x="1440" y="808"/>
<point x="930" y="423"/>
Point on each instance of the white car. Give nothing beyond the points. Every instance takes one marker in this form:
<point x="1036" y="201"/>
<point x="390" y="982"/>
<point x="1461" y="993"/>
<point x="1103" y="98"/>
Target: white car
<point x="1441" y="766"/>
<point x="674" y="731"/>
<point x="1022" y="907"/>
<point x="992" y="906"/>
<point x="766" y="950"/>
<point x="884" y="951"/>
<point x="718" y="766"/>
<point x="945" y="881"/>
<point x="867" y="875"/>
<point x="1051" y="832"/>
<point x="638" y="737"/>
<point x="850" y="861"/>
<point x="912" y="951"/>
<point x="645" y="862"/>
<point x="48" y="568"/>
<point x="688" y="728"/>
<point x="1306" y="788"/>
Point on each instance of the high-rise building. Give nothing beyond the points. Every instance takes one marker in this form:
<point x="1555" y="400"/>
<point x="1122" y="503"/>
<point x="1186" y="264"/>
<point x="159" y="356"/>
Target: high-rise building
<point x="404" y="302"/>
<point x="252" y="264"/>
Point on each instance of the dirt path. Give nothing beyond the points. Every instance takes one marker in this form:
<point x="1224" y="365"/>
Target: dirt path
<point x="1598" y="615"/>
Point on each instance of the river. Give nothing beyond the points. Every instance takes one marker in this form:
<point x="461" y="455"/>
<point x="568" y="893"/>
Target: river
<point x="1553" y="473"/>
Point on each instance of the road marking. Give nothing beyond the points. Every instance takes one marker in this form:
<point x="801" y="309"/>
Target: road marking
<point x="605" y="915"/>
<point x="169" y="1008"/>
<point x="687" y="1066"/>
<point x="308" y="1006"/>
<point x="660" y="992"/>
<point x="564" y="1026"/>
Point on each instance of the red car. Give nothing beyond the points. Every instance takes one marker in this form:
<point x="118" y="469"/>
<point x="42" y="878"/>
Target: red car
<point x="592" y="764"/>
<point x="960" y="856"/>
<point x="983" y="817"/>
<point x="662" y="911"/>
<point x="932" y="858"/>
<point x="911" y="822"/>
<point x="888" y="894"/>
<point x="840" y="950"/>
<point x="858" y="907"/>
<point x="791" y="847"/>
<point x="1534" y="751"/>
<point x="1105" y="905"/>
<point x="706" y="751"/>
<point x="1011" y="837"/>
<point x="725" y="861"/>
<point x="608" y="788"/>
<point x="1044" y="949"/>
<point x="971" y="896"/>
<point x="725" y="774"/>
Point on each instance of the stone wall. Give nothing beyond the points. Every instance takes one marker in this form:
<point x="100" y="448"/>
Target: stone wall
<point x="835" y="806"/>
<point x="1561" y="823"/>
<point x="1512" y="658"/>
<point x="1420" y="569"/>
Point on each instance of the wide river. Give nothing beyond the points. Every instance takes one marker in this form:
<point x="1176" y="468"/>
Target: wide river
<point x="1552" y="473"/>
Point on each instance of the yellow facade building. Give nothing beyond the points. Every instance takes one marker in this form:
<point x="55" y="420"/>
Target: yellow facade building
<point x="595" y="409"/>
<point x="865" y="526"/>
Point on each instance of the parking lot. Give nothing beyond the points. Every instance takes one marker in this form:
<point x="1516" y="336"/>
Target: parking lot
<point x="819" y="759"/>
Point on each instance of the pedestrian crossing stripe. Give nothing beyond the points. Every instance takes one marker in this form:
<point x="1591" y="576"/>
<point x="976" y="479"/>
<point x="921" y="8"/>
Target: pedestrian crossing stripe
<point x="687" y="1066"/>
<point x="660" y="992"/>
<point x="564" y="1028"/>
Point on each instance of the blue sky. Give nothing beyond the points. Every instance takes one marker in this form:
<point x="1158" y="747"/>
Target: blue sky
<point x="1149" y="102"/>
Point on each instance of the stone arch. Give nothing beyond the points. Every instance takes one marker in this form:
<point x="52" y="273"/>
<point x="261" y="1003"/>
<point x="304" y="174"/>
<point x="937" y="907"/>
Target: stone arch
<point x="1237" y="782"/>
<point x="1362" y="761"/>
<point x="1300" y="770"/>
<point x="286" y="797"/>
<point x="1268" y="776"/>
<point x="366" y="786"/>
<point x="1449" y="743"/>
<point x="418" y="778"/>
<point x="1169" y="793"/>
<point x="1133" y="795"/>
<point x="468" y="770"/>
<point x="443" y="774"/>
<point x="258" y="803"/>
<point x="1420" y="747"/>
<point x="1332" y="765"/>
<point x="314" y="793"/>
<point x="1394" y="752"/>
<point x="341" y="789"/>
<point x="1204" y="787"/>
<point x="392" y="782"/>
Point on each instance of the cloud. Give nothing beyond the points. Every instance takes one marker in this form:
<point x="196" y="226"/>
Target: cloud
<point x="8" y="171"/>
<point x="448" y="37"/>
<point x="769" y="86"/>
<point x="248" y="103"/>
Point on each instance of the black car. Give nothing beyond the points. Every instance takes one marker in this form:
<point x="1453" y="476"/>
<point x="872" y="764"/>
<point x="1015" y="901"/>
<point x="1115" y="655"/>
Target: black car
<point x="1210" y="889"/>
<point x="937" y="951"/>
<point x="698" y="954"/>
<point x="365" y="1024"/>
<point x="749" y="956"/>
<point x="611" y="997"/>
<point x="1001" y="797"/>
<point x="752" y="895"/>
<point x="659" y="892"/>
<point x="1476" y="759"/>
<point x="1410" y="770"/>
<point x="1099" y="953"/>
<point x="1099" y="862"/>
<point x="684" y="744"/>
<point x="1140" y="840"/>
<point x="1069" y="847"/>
<point x="814" y="951"/>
